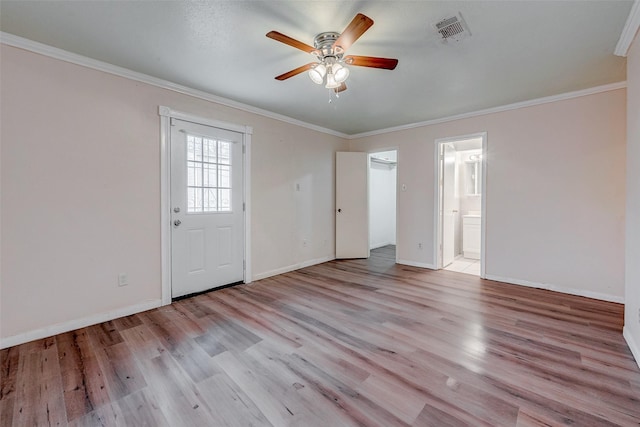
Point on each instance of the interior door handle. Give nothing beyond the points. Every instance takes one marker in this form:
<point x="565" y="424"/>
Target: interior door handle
<point x="339" y="210"/>
<point x="177" y="222"/>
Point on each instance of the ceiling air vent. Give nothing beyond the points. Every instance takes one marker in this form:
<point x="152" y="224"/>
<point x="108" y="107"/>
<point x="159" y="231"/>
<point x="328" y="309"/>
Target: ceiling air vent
<point x="452" y="28"/>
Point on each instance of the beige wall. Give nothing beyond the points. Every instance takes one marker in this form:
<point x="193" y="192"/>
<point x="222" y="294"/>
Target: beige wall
<point x="555" y="195"/>
<point x="79" y="177"/>
<point x="80" y="191"/>
<point x="632" y="290"/>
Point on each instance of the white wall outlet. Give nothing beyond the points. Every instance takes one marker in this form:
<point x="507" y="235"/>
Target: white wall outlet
<point x="420" y="246"/>
<point x="123" y="280"/>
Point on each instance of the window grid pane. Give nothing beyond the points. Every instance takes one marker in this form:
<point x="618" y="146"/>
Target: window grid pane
<point x="224" y="196"/>
<point x="224" y="153"/>
<point x="208" y="175"/>
<point x="224" y="176"/>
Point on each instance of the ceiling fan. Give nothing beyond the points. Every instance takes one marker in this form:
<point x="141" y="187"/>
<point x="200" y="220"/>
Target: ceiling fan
<point x="329" y="48"/>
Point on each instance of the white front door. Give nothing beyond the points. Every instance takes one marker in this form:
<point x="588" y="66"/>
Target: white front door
<point x="207" y="218"/>
<point x="448" y="204"/>
<point x="352" y="205"/>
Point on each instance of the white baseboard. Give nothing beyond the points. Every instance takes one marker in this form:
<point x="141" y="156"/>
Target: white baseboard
<point x="561" y="289"/>
<point x="77" y="323"/>
<point x="293" y="267"/>
<point x="416" y="264"/>
<point x="633" y="345"/>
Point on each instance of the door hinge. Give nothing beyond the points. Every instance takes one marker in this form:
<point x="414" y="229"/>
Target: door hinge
<point x="244" y="207"/>
<point x="243" y="149"/>
<point x="244" y="264"/>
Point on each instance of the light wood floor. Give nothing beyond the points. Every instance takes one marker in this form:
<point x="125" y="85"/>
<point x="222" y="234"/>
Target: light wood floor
<point x="345" y="343"/>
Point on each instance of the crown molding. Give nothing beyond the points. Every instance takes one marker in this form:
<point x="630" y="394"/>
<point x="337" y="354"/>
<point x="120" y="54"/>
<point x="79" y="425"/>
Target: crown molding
<point x="508" y="107"/>
<point x="629" y="31"/>
<point x="63" y="55"/>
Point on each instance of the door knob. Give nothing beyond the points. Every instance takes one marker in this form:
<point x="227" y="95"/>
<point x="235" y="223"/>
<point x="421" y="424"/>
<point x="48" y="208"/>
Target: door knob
<point x="177" y="222"/>
<point x="339" y="210"/>
<point x="176" y="209"/>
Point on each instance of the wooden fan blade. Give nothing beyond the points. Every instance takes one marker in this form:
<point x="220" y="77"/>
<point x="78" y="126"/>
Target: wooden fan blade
<point x="291" y="42"/>
<point x="295" y="72"/>
<point x="354" y="30"/>
<point x="340" y="88"/>
<point x="371" y="61"/>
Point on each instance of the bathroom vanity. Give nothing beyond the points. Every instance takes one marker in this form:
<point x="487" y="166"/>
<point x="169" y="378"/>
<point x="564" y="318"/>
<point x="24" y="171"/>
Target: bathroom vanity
<point x="471" y="235"/>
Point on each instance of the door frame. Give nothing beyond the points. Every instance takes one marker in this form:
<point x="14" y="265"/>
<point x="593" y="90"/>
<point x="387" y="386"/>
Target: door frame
<point x="397" y="150"/>
<point x="437" y="223"/>
<point x="166" y="114"/>
<point x="441" y="205"/>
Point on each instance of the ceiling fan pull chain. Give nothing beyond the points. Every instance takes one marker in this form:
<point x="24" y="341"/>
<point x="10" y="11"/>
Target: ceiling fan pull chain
<point x="333" y="93"/>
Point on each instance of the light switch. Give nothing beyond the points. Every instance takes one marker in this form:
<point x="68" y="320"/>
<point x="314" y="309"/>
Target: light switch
<point x="123" y="280"/>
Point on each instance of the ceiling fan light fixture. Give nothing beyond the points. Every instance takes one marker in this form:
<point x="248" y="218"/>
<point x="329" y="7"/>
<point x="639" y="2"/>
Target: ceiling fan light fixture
<point x="317" y="74"/>
<point x="331" y="82"/>
<point x="340" y="73"/>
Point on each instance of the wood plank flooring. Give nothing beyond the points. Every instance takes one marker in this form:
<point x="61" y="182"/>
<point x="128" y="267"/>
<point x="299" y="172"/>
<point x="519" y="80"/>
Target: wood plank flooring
<point x="345" y="343"/>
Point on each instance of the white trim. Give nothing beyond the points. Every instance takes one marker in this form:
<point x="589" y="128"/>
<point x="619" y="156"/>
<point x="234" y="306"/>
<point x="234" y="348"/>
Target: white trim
<point x="166" y="114"/>
<point x="165" y="207"/>
<point x="186" y="117"/>
<point x="633" y="345"/>
<point x="483" y="207"/>
<point x="556" y="288"/>
<point x="63" y="55"/>
<point x="499" y="109"/>
<point x="416" y="264"/>
<point x="629" y="31"/>
<point x="247" y="204"/>
<point x="437" y="236"/>
<point x="293" y="267"/>
<point x="382" y="150"/>
<point x="71" y="325"/>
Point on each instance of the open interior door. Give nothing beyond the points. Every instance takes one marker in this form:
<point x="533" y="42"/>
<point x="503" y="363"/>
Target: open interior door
<point x="448" y="204"/>
<point x="352" y="205"/>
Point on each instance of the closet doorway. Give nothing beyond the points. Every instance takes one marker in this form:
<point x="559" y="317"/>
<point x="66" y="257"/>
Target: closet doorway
<point x="383" y="176"/>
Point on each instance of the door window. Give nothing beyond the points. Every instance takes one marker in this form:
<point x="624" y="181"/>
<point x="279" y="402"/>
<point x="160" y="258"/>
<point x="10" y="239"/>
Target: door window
<point x="208" y="175"/>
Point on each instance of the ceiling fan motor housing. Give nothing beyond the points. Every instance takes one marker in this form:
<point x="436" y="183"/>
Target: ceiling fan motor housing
<point x="323" y="42"/>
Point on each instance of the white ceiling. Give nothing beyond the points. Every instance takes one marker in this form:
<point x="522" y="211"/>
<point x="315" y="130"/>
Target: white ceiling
<point x="519" y="50"/>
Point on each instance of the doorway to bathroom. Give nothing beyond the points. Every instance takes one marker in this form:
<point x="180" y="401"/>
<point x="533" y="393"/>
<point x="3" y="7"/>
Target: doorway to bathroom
<point x="383" y="174"/>
<point x="460" y="208"/>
